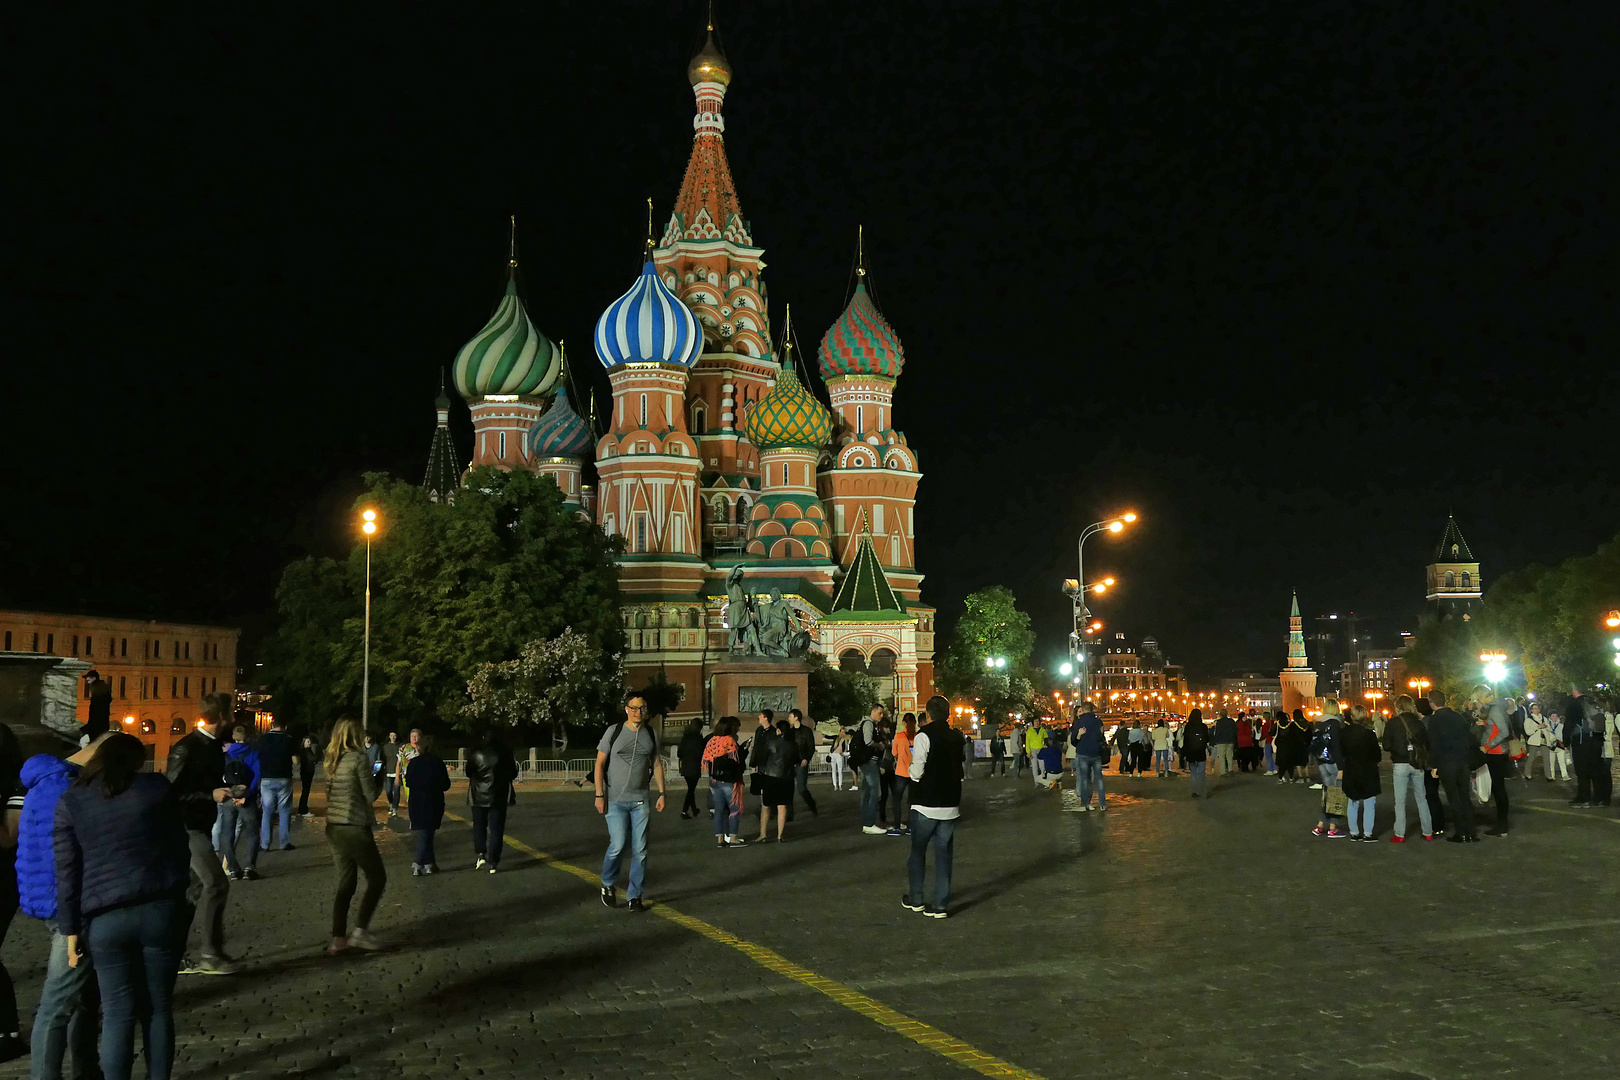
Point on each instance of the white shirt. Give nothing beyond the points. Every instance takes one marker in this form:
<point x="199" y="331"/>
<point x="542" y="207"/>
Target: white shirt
<point x="919" y="758"/>
<point x="1536" y="730"/>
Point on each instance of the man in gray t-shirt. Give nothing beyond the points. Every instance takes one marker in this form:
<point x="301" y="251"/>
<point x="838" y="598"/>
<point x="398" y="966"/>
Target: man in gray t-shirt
<point x="627" y="760"/>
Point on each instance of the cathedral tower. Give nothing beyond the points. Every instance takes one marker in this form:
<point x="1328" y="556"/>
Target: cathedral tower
<point x="1453" y="577"/>
<point x="1297" y="678"/>
<point x="558" y="442"/>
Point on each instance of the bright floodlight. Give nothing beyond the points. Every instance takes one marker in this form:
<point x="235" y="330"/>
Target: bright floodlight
<point x="1495" y="671"/>
<point x="989" y="661"/>
<point x="370" y="515"/>
<point x="1100" y="587"/>
<point x="1108" y="581"/>
<point x="1066" y="669"/>
<point x="1131" y="516"/>
<point x="369" y="527"/>
<point x="1001" y="661"/>
<point x="1116" y="526"/>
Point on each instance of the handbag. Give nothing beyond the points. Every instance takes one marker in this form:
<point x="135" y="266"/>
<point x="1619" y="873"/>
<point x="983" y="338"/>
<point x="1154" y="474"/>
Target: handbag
<point x="1334" y="802"/>
<point x="1482" y="785"/>
<point x="1516" y="749"/>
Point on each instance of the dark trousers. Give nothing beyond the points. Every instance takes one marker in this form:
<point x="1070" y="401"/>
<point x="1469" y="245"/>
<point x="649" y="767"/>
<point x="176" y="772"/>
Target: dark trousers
<point x="489" y="831"/>
<point x="304" y="779"/>
<point x="885" y="782"/>
<point x="137" y="954"/>
<point x="1455" y="779"/>
<point x="354" y="848"/>
<point x="207" y="891"/>
<point x="997" y="761"/>
<point x="1437" y="808"/>
<point x="801" y="785"/>
<point x="391" y="789"/>
<point x="942" y="835"/>
<point x="690" y="806"/>
<point x="902" y="784"/>
<point x="1501" y="767"/>
<point x="424" y="847"/>
<point x="1593" y="783"/>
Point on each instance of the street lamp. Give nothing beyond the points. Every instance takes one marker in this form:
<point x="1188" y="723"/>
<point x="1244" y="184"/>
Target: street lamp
<point x="1420" y="685"/>
<point x="1374" y="696"/>
<point x="1495" y="666"/>
<point x="368" y="525"/>
<point x="1078" y="594"/>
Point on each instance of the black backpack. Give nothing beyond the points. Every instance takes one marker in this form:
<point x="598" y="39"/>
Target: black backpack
<point x="237" y="773"/>
<point x="860" y="751"/>
<point x="1416" y="756"/>
<point x="725" y="769"/>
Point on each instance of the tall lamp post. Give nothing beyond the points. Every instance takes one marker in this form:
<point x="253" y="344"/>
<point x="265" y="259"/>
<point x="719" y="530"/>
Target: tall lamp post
<point x="1495" y="662"/>
<point x="1078" y="590"/>
<point x="368" y="525"/>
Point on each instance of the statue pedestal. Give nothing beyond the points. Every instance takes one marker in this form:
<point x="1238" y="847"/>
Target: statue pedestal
<point x="39" y="700"/>
<point x="743" y="685"/>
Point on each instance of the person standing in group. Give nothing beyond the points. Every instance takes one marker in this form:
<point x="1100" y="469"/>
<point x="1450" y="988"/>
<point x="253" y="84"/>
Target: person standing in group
<point x="1161" y="748"/>
<point x="689" y="755"/>
<point x="1585" y="735"/>
<point x="240" y="813"/>
<point x="427" y="779"/>
<point x="627" y="761"/>
<point x="804" y="754"/>
<point x="723" y="760"/>
<point x="12" y="794"/>
<point x="1248" y="749"/>
<point x="1222" y="744"/>
<point x="1494" y="736"/>
<point x="1361" y="783"/>
<point x="1194" y="750"/>
<point x="1327" y="753"/>
<point x="772" y="756"/>
<point x="1016" y="746"/>
<point x="835" y="759"/>
<point x="1034" y="743"/>
<point x="1284" y="734"/>
<point x="492" y="773"/>
<point x="936" y="801"/>
<point x="885" y="755"/>
<point x="389" y="761"/>
<point x="998" y="753"/>
<point x="1406" y="741"/>
<point x="121" y="850"/>
<point x="308" y="756"/>
<point x="276" y="753"/>
<point x="1086" y="733"/>
<point x="1431" y="780"/>
<point x="900" y="746"/>
<point x="1537" y="744"/>
<point x="864" y="758"/>
<point x="402" y="787"/>
<point x="351" y="791"/>
<point x="1451" y="750"/>
<point x="65" y="1019"/>
<point x="1268" y="739"/>
<point x="1562" y="765"/>
<point x="374" y="756"/>
<point x="195" y="770"/>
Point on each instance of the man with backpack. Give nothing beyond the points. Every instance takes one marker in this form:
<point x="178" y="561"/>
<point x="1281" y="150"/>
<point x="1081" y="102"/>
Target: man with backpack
<point x="1406" y="741"/>
<point x="627" y="760"/>
<point x="865" y="759"/>
<point x="240" y="813"/>
<point x="936" y="799"/>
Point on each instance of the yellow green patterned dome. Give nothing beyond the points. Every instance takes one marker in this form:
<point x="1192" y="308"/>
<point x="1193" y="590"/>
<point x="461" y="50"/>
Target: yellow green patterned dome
<point x="789" y="416"/>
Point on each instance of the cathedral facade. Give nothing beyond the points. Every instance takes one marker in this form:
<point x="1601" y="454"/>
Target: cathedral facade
<point x="717" y="452"/>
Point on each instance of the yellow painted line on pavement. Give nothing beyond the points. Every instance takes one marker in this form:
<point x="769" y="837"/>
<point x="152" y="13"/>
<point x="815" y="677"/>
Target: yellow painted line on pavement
<point x="1572" y="813"/>
<point x="946" y="1045"/>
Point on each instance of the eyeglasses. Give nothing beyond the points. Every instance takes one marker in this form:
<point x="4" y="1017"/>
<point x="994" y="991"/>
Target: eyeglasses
<point x="635" y="708"/>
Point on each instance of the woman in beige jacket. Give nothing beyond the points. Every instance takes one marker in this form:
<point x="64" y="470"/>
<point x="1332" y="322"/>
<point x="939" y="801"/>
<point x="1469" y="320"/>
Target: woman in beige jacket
<point x="350" y="790"/>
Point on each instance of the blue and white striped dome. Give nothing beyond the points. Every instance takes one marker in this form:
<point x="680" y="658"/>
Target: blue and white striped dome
<point x="560" y="432"/>
<point x="648" y="324"/>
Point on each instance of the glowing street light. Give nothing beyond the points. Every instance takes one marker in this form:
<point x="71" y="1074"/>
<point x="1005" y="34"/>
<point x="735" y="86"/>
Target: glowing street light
<point x="1066" y="668"/>
<point x="1495" y="666"/>
<point x="368" y="525"/>
<point x="1079" y="590"/>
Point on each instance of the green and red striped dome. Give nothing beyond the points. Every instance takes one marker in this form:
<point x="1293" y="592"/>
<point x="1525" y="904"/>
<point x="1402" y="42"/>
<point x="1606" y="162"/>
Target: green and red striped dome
<point x="861" y="341"/>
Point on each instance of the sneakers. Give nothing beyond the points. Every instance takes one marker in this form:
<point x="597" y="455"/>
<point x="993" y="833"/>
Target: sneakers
<point x="1086" y="809"/>
<point x="250" y="874"/>
<point x="360" y="938"/>
<point x="1102" y="807"/>
<point x="635" y="905"/>
<point x="874" y="830"/>
<point x="905" y="902"/>
<point x="1316" y="787"/>
<point x="1318" y="831"/>
<point x="213" y="965"/>
<point x="479" y="864"/>
<point x="307" y="816"/>
<point x="1336" y="833"/>
<point x="493" y="868"/>
<point x="392" y="812"/>
<point x="891" y="832"/>
<point x="431" y="868"/>
<point x="935" y="913"/>
<point x="416" y="869"/>
<point x="1402" y="839"/>
<point x="610" y="898"/>
<point x="288" y="847"/>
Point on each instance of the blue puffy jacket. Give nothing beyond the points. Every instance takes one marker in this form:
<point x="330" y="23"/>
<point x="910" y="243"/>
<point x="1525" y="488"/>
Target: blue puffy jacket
<point x="249" y="757"/>
<point x="45" y="777"/>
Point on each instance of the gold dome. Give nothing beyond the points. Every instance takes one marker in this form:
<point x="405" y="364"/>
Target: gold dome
<point x="709" y="65"/>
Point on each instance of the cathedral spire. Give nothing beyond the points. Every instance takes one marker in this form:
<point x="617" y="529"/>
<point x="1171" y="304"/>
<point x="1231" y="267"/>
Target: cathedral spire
<point x="1296" y="637"/>
<point x="707" y="207"/>
<point x="443" y="477"/>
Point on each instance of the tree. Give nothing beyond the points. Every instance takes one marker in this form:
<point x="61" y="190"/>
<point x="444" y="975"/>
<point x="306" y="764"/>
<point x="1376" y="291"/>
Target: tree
<point x="454" y="586"/>
<point x="991" y="628"/>
<point x="662" y="696"/>
<point x="846" y="696"/>
<point x="553" y="682"/>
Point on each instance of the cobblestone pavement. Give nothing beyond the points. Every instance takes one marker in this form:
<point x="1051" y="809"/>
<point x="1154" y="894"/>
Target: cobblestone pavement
<point x="1166" y="938"/>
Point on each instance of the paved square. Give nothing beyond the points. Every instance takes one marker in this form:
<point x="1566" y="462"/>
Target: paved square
<point x="1167" y="938"/>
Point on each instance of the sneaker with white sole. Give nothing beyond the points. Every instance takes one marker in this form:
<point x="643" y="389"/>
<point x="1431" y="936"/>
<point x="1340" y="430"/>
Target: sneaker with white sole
<point x="905" y="902"/>
<point x="874" y="830"/>
<point x="480" y="863"/>
<point x="361" y="938"/>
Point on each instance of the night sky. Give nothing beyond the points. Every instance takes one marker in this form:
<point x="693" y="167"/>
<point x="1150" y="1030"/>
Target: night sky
<point x="1290" y="280"/>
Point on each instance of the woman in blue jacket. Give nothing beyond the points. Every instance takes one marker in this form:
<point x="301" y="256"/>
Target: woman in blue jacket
<point x="427" y="780"/>
<point x="122" y="863"/>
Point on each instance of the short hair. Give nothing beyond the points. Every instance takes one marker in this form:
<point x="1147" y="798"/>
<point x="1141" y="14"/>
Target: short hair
<point x="1437" y="698"/>
<point x="1330" y="706"/>
<point x="769" y="715"/>
<point x="1090" y="704"/>
<point x="216" y="707"/>
<point x="276" y="723"/>
<point x="796" y="714"/>
<point x="632" y="695"/>
<point x="239" y="733"/>
<point x="1403" y="703"/>
<point x="938" y="708"/>
<point x="877" y="707"/>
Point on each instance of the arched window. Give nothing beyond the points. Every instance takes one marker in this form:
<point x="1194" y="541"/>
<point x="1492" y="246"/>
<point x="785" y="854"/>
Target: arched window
<point x="177" y="726"/>
<point x="1451" y="579"/>
<point x="742" y="510"/>
<point x="700" y="420"/>
<point x="851" y="660"/>
<point x="148" y="727"/>
<point x="881" y="665"/>
<point x="1468" y="580"/>
<point x="503" y="446"/>
<point x="641" y="532"/>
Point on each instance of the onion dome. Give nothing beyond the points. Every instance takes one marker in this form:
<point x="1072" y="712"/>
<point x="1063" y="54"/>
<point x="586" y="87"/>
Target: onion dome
<point x="710" y="64"/>
<point x="789" y="416"/>
<point x="861" y="341"/>
<point x="561" y="432"/>
<point x="508" y="356"/>
<point x="647" y="325"/>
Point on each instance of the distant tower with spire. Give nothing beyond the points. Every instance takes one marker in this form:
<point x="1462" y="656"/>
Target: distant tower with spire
<point x="1297" y="678"/>
<point x="1453" y="577"/>
<point x="443" y="478"/>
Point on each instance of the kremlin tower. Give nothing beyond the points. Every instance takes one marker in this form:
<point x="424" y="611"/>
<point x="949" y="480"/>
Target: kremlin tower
<point x="1298" y="680"/>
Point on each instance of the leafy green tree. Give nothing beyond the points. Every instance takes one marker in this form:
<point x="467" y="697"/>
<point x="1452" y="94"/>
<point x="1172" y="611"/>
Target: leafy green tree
<point x="991" y="628"/>
<point x="662" y="696"/>
<point x="553" y="683"/>
<point x="845" y="696"/>
<point x="453" y="586"/>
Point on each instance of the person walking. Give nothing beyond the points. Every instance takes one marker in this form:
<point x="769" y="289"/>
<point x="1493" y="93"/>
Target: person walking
<point x="804" y="755"/>
<point x="900" y="746"/>
<point x="1222" y="744"/>
<point x="1495" y="732"/>
<point x="835" y="759"/>
<point x="196" y="769"/>
<point x="864" y="758"/>
<point x="240" y="813"/>
<point x="351" y="791"/>
<point x="936" y="800"/>
<point x="1034" y="742"/>
<point x="121" y="849"/>
<point x="1195" y="749"/>
<point x="276" y="753"/>
<point x="65" y="1018"/>
<point x="1161" y="748"/>
<point x="1327" y="754"/>
<point x="1538" y="743"/>
<point x="1086" y="733"/>
<point x="389" y="760"/>
<point x="998" y="753"/>
<point x="772" y="757"/>
<point x="722" y="759"/>
<point x="689" y="756"/>
<point x="1362" y="755"/>
<point x="1406" y="741"/>
<point x="427" y="779"/>
<point x="492" y="773"/>
<point x="1451" y="751"/>
<point x="308" y="756"/>
<point x="627" y="761"/>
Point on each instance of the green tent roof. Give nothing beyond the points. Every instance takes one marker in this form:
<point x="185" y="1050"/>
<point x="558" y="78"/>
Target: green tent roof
<point x="864" y="595"/>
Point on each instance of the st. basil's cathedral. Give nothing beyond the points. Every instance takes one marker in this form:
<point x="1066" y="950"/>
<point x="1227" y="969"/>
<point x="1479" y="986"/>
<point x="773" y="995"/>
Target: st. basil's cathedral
<point x="717" y="453"/>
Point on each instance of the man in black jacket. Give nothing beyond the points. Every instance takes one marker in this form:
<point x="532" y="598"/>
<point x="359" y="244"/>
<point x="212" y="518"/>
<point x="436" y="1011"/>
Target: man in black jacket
<point x="276" y="754"/>
<point x="804" y="743"/>
<point x="1451" y="751"/>
<point x="196" y="770"/>
<point x="936" y="800"/>
<point x="1222" y="743"/>
<point x="491" y="772"/>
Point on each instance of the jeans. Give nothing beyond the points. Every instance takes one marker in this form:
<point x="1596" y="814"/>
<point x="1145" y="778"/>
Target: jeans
<point x="229" y="826"/>
<point x="208" y="890"/>
<point x="626" y="820"/>
<point x="901" y="785"/>
<point x="1200" y="782"/>
<point x="1455" y="779"/>
<point x="942" y="834"/>
<point x="725" y="801"/>
<point x="137" y="955"/>
<point x="1329" y="774"/>
<point x="391" y="787"/>
<point x="65" y="1020"/>
<point x="354" y="848"/>
<point x="1222" y="753"/>
<point x="424" y="847"/>
<point x="1271" y="759"/>
<point x="1361" y="816"/>
<point x="871" y="780"/>
<point x="801" y="783"/>
<point x="1406" y="778"/>
<point x="1499" y="765"/>
<point x="275" y="797"/>
<point x="489" y="831"/>
<point x="1088" y="774"/>
<point x="1161" y="761"/>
